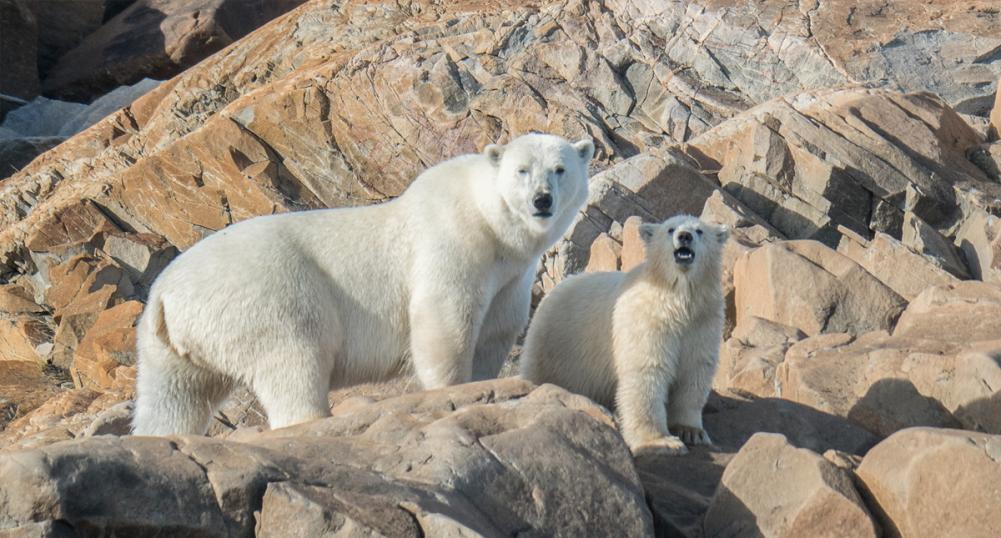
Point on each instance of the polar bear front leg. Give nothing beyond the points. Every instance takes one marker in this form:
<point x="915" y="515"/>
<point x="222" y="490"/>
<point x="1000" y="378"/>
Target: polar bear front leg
<point x="690" y="392"/>
<point x="442" y="336"/>
<point x="639" y="402"/>
<point x="505" y="320"/>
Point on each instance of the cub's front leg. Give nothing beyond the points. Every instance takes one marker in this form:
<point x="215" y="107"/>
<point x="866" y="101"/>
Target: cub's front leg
<point x="644" y="372"/>
<point x="696" y="367"/>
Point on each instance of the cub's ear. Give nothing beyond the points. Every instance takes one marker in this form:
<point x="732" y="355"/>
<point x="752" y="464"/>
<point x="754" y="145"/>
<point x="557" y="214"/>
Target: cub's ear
<point x="494" y="152"/>
<point x="646" y="231"/>
<point x="722" y="233"/>
<point x="585" y="149"/>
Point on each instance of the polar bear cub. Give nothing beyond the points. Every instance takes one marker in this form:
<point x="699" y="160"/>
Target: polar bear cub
<point x="642" y="340"/>
<point x="292" y="305"/>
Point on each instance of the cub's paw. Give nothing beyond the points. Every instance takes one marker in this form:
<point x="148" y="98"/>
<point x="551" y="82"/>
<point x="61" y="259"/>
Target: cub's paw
<point x="670" y="446"/>
<point x="692" y="435"/>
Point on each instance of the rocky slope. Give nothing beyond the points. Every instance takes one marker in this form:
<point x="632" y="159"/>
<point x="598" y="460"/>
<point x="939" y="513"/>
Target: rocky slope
<point x="849" y="145"/>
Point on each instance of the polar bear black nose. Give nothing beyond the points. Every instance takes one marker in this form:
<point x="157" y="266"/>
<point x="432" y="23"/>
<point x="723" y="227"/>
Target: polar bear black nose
<point x="684" y="238"/>
<point x="542" y="201"/>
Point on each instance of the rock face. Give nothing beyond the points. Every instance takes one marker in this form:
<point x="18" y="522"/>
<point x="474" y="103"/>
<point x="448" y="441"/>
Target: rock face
<point x="493" y="458"/>
<point x="933" y="482"/>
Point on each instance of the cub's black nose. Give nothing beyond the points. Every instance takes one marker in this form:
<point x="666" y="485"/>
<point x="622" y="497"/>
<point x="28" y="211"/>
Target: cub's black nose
<point x="543" y="201"/>
<point x="684" y="238"/>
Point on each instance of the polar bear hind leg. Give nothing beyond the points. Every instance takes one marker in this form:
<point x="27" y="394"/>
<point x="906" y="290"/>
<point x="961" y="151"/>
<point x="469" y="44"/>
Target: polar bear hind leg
<point x="176" y="396"/>
<point x="296" y="392"/>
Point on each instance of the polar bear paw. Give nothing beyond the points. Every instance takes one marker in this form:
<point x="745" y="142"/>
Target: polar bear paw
<point x="692" y="435"/>
<point x="670" y="446"/>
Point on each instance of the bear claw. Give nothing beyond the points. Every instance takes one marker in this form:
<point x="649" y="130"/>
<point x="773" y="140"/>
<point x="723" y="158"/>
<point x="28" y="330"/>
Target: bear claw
<point x="692" y="435"/>
<point x="671" y="446"/>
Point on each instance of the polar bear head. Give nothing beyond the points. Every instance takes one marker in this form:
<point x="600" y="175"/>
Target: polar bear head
<point x="542" y="179"/>
<point x="684" y="245"/>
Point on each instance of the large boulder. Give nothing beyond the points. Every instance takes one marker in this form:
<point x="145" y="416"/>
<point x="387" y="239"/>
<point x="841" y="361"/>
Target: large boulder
<point x="887" y="383"/>
<point x="772" y="489"/>
<point x="934" y="482"/>
<point x="806" y="285"/>
<point x="491" y="458"/>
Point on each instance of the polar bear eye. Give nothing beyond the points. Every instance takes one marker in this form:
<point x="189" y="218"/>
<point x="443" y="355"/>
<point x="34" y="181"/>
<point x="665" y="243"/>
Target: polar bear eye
<point x="698" y="232"/>
<point x="560" y="170"/>
<point x="670" y="231"/>
<point x="523" y="171"/>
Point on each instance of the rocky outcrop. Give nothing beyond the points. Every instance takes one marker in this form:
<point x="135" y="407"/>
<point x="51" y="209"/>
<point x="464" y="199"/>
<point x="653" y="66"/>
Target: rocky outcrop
<point x="493" y="458"/>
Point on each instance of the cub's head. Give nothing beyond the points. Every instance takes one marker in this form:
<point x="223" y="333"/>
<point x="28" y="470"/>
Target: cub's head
<point x="684" y="244"/>
<point x="542" y="178"/>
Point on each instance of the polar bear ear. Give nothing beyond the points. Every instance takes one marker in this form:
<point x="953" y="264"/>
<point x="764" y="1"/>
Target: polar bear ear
<point x="722" y="233"/>
<point x="647" y="231"/>
<point x="494" y="152"/>
<point x="585" y="149"/>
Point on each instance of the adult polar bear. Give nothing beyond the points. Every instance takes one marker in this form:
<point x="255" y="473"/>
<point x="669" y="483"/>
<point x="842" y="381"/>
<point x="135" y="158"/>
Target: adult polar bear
<point x="294" y="304"/>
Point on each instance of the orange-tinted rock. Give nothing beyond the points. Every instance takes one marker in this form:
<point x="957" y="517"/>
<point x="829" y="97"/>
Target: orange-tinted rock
<point x="23" y="387"/>
<point x="633" y="251"/>
<point x="14" y="299"/>
<point x="85" y="284"/>
<point x="22" y="338"/>
<point x="605" y="253"/>
<point x="108" y="344"/>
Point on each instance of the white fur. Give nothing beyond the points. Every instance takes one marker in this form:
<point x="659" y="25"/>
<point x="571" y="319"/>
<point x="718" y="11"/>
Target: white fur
<point x="294" y="304"/>
<point x="639" y="340"/>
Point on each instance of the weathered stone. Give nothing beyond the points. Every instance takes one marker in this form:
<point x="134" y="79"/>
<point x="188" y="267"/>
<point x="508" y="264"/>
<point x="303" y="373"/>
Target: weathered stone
<point x="23" y="338"/>
<point x="806" y="285"/>
<point x="900" y="268"/>
<point x="15" y="153"/>
<point x="142" y="256"/>
<point x="979" y="238"/>
<point x="605" y="254"/>
<point x="14" y="299"/>
<point x="633" y="250"/>
<point x="934" y="482"/>
<point x="962" y="312"/>
<point x="748" y="359"/>
<point x="109" y="343"/>
<point x="995" y="117"/>
<point x="493" y="457"/>
<point x="925" y="240"/>
<point x="889" y="383"/>
<point x="23" y="387"/>
<point x="86" y="284"/>
<point x="774" y="489"/>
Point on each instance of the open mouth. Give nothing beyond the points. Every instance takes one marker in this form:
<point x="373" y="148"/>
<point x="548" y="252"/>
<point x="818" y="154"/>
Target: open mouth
<point x="684" y="255"/>
<point x="543" y="214"/>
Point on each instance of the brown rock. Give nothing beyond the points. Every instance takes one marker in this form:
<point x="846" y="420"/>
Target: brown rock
<point x="22" y="339"/>
<point x="773" y="489"/>
<point x="806" y="285"/>
<point x="605" y="253"/>
<point x="142" y="256"/>
<point x="14" y="299"/>
<point x="633" y="250"/>
<point x="493" y="457"/>
<point x="900" y="268"/>
<point x="86" y="284"/>
<point x="155" y="39"/>
<point x="934" y="482"/>
<point x="923" y="239"/>
<point x="748" y="359"/>
<point x="979" y="237"/>
<point x="69" y="226"/>
<point x="963" y="312"/>
<point x="108" y="344"/>
<point x="23" y="387"/>
<point x="889" y="383"/>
